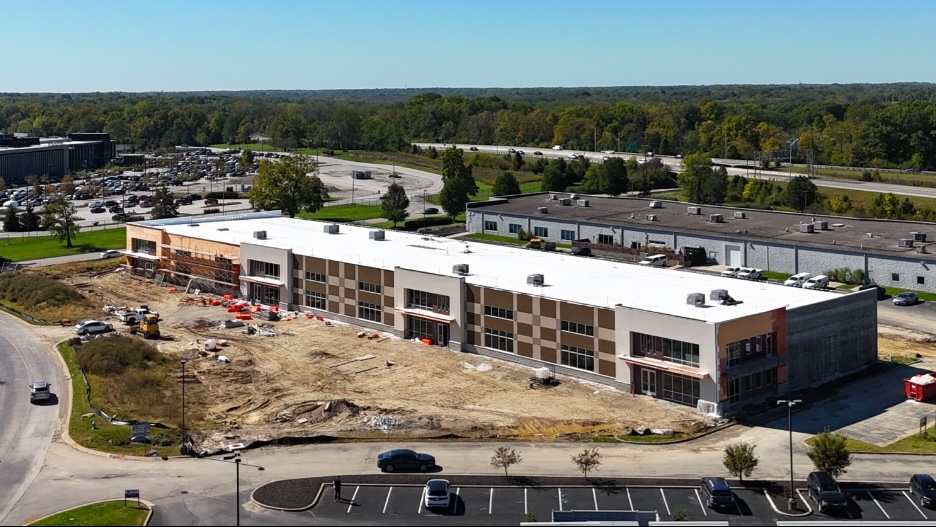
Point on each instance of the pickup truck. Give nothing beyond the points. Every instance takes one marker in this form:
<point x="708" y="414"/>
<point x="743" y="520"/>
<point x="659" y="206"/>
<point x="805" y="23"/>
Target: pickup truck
<point x="134" y="316"/>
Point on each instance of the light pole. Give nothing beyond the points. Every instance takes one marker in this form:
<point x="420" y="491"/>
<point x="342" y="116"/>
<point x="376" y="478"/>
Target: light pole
<point x="790" y="404"/>
<point x="184" y="361"/>
<point x="235" y="458"/>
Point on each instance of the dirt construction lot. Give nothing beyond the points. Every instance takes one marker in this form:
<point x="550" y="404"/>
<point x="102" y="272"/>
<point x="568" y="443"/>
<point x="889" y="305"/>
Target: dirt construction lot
<point x="319" y="378"/>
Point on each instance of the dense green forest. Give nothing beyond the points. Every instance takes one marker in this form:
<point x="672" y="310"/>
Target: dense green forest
<point x="876" y="125"/>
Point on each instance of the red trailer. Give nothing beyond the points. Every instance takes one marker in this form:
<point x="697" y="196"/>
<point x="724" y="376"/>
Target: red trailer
<point x="920" y="387"/>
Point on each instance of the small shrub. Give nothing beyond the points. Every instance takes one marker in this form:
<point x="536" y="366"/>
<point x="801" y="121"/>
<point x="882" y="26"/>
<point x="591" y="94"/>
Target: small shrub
<point x="212" y="211"/>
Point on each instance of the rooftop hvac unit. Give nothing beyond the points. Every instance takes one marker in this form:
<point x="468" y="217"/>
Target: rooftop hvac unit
<point x="656" y="204"/>
<point x="807" y="227"/>
<point x="376" y="235"/>
<point x="542" y="210"/>
<point x="821" y="225"/>
<point x="573" y="196"/>
<point x="918" y="236"/>
<point x="718" y="294"/>
<point x="331" y="228"/>
<point x="869" y="235"/>
<point x="716" y="218"/>
<point x="695" y="299"/>
<point x="651" y="217"/>
<point x="553" y="197"/>
<point x="461" y="269"/>
<point x="581" y="202"/>
<point x="739" y="215"/>
<point x="565" y="202"/>
<point x="693" y="210"/>
<point x="905" y="242"/>
<point x="260" y="235"/>
<point x="535" y="279"/>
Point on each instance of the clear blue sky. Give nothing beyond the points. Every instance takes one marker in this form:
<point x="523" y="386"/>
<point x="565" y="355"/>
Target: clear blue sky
<point x="172" y="45"/>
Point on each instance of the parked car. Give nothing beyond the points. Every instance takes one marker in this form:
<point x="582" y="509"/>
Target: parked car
<point x="581" y="251"/>
<point x="437" y="493"/>
<point x="924" y="487"/>
<point x="731" y="272"/>
<point x="404" y="459"/>
<point x="97" y="210"/>
<point x="797" y="280"/>
<point x="905" y="299"/>
<point x="89" y="327"/>
<point x="881" y="292"/>
<point x="110" y="254"/>
<point x="40" y="391"/>
<point x="655" y="260"/>
<point x="210" y="201"/>
<point x="120" y="216"/>
<point x="817" y="282"/>
<point x="716" y="493"/>
<point x="431" y="210"/>
<point x="115" y="209"/>
<point x="749" y="273"/>
<point x="822" y="488"/>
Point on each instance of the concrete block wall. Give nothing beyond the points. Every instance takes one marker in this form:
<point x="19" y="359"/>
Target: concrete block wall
<point x="909" y="271"/>
<point x="831" y="339"/>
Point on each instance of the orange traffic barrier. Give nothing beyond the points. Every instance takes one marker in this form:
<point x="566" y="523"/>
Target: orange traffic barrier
<point x="229" y="297"/>
<point x="243" y="316"/>
<point x="173" y="289"/>
<point x="254" y="309"/>
<point x="427" y="342"/>
<point x="274" y="308"/>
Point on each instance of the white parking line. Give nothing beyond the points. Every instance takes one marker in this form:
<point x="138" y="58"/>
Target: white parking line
<point x="878" y="504"/>
<point x="914" y="504"/>
<point x="525" y="508"/>
<point x="455" y="501"/>
<point x="491" y="501"/>
<point x="704" y="512"/>
<point x="387" y="501"/>
<point x="595" y="497"/>
<point x="665" y="504"/>
<point x="560" y="499"/>
<point x="351" y="504"/>
<point x="422" y="498"/>
<point x="631" y="503"/>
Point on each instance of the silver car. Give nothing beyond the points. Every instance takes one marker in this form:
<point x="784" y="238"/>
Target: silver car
<point x="89" y="327"/>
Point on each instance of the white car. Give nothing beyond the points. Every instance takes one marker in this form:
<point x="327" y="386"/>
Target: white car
<point x="749" y="273"/>
<point x="89" y="327"/>
<point x="797" y="280"/>
<point x="731" y="272"/>
<point x="607" y="151"/>
<point x="437" y="493"/>
<point x="110" y="254"/>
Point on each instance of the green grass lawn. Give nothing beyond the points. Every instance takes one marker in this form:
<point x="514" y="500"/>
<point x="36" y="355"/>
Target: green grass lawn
<point x="928" y="297"/>
<point x="17" y="248"/>
<point x="913" y="444"/>
<point x="776" y="276"/>
<point x="494" y="238"/>
<point x="106" y="513"/>
<point x="344" y="213"/>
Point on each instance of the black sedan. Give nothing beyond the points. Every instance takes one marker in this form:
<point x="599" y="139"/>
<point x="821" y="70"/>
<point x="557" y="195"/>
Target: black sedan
<point x="924" y="487"/>
<point x="403" y="459"/>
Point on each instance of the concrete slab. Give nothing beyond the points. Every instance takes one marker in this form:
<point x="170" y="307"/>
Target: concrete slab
<point x="895" y="423"/>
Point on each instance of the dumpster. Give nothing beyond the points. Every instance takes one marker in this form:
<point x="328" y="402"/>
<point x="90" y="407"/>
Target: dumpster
<point x="920" y="387"/>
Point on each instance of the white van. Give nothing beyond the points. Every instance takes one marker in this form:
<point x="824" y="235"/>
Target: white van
<point x="11" y="203"/>
<point x="656" y="260"/>
<point x="797" y="280"/>
<point x="817" y="282"/>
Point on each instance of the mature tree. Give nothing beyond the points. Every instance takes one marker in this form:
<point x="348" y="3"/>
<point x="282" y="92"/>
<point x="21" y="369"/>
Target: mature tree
<point x="458" y="185"/>
<point x="163" y="205"/>
<point x="740" y="460"/>
<point x="829" y="453"/>
<point x="554" y="177"/>
<point x="595" y="179"/>
<point x="505" y="185"/>
<point x="60" y="218"/>
<point x="286" y="185"/>
<point x="11" y="221"/>
<point x="517" y="161"/>
<point x="699" y="182"/>
<point x="800" y="193"/>
<point x="505" y="457"/>
<point x="615" y="176"/>
<point x="586" y="460"/>
<point x="246" y="159"/>
<point x="393" y="204"/>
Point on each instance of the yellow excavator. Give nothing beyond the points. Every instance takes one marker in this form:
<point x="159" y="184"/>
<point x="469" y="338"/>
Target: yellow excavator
<point x="148" y="327"/>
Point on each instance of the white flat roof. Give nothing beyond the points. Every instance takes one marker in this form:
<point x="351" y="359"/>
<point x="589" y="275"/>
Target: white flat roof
<point x="590" y="281"/>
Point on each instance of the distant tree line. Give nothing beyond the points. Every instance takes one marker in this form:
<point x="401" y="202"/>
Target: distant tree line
<point x="890" y="125"/>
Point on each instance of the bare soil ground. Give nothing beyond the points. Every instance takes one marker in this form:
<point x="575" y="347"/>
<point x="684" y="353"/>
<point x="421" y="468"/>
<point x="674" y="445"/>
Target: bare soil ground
<point x="313" y="379"/>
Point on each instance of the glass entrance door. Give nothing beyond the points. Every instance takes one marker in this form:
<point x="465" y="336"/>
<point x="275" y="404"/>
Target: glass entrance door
<point x="443" y="334"/>
<point x="647" y="382"/>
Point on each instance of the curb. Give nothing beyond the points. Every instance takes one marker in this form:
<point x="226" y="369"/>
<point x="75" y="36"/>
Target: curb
<point x="312" y="504"/>
<point x="149" y="515"/>
<point x="790" y="514"/>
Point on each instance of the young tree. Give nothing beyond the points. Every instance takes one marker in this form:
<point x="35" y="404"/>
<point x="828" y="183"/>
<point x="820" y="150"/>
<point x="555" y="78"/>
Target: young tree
<point x="163" y="205"/>
<point x="286" y="185"/>
<point x="393" y="204"/>
<point x="740" y="460"/>
<point x="59" y="217"/>
<point x="829" y="454"/>
<point x="588" y="459"/>
<point x="517" y="161"/>
<point x="505" y="185"/>
<point x="458" y="183"/>
<point x="505" y="457"/>
<point x="11" y="222"/>
<point x="246" y="159"/>
<point x="68" y="184"/>
<point x="554" y="177"/>
<point x="29" y="220"/>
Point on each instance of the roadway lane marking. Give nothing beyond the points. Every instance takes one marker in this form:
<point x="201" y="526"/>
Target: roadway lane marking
<point x="878" y="504"/>
<point x="704" y="512"/>
<point x="422" y="498"/>
<point x="351" y="504"/>
<point x="387" y="501"/>
<point x="595" y="497"/>
<point x="525" y="508"/>
<point x="560" y="500"/>
<point x="913" y="503"/>
<point x="491" y="502"/>
<point x="455" y="501"/>
<point x="630" y="502"/>
<point x="665" y="504"/>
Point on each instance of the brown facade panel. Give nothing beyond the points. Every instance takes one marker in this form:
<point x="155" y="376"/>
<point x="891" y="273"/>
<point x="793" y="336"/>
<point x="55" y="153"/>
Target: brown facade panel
<point x="548" y="354"/>
<point x="605" y="319"/>
<point x="472" y="319"/>
<point x="498" y="298"/>
<point x="499" y="324"/>
<point x="350" y="294"/>
<point x="525" y="349"/>
<point x="577" y="313"/>
<point x="371" y="275"/>
<point x="388" y="301"/>
<point x="606" y="367"/>
<point x="334" y="307"/>
<point x="388" y="279"/>
<point x="350" y="271"/>
<point x="524" y="303"/>
<point x="366" y="296"/>
<point x="473" y="337"/>
<point x="388" y="317"/>
<point x="606" y="346"/>
<point x="573" y="339"/>
<point x="316" y="265"/>
<point x="547" y="308"/>
<point x="333" y="290"/>
<point x="548" y="336"/>
<point x="525" y="329"/>
<point x="350" y="310"/>
<point x="297" y="261"/>
<point x="318" y="287"/>
<point x="472" y="294"/>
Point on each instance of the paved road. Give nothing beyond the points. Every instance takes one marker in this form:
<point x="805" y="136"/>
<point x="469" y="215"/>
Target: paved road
<point x="920" y="318"/>
<point x="26" y="430"/>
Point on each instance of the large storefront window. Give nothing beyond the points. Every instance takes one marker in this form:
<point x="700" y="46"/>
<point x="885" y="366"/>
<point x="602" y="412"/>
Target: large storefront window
<point x="265" y="293"/>
<point x="420" y="328"/>
<point x="429" y="301"/>
<point x="680" y="389"/>
<point x="499" y="340"/>
<point x="266" y="269"/>
<point x="670" y="350"/>
<point x="578" y="357"/>
<point x="143" y="246"/>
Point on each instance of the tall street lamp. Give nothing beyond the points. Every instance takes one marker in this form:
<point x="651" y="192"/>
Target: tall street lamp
<point x="235" y="458"/>
<point x="790" y="404"/>
<point x="184" y="361"/>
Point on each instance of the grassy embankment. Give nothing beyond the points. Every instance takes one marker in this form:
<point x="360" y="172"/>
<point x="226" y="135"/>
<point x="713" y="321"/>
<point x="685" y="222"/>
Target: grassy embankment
<point x="106" y="514"/>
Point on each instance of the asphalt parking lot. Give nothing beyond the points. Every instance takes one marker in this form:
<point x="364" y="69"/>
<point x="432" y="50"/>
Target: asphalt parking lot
<point x="875" y="505"/>
<point x="472" y="505"/>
